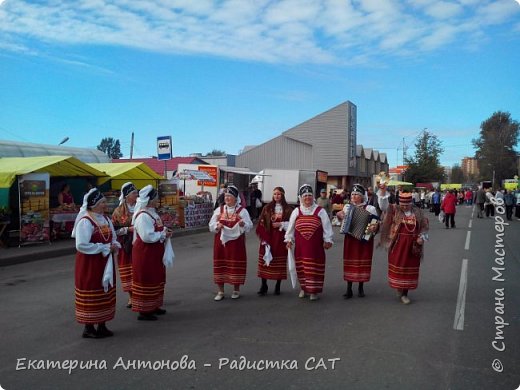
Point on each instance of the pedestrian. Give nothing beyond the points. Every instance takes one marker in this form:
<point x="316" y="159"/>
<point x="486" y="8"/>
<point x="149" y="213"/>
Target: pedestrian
<point x="230" y="222"/>
<point x="309" y="233"/>
<point x="220" y="197"/>
<point x="272" y="254"/>
<point x="357" y="254"/>
<point x="480" y="200"/>
<point x="488" y="204"/>
<point x="324" y="202"/>
<point x="517" y="207"/>
<point x="94" y="269"/>
<point x="436" y="202"/>
<point x="122" y="220"/>
<point x="449" y="206"/>
<point x="509" y="201"/>
<point x="148" y="256"/>
<point x="403" y="233"/>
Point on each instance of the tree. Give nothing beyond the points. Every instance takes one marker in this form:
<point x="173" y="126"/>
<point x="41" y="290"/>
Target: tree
<point x="110" y="147"/>
<point x="424" y="166"/>
<point x="496" y="157"/>
<point x="457" y="175"/>
<point x="216" y="152"/>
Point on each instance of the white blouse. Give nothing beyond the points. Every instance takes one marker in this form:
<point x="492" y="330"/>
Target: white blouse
<point x="144" y="225"/>
<point x="84" y="231"/>
<point x="325" y="223"/>
<point x="244" y="215"/>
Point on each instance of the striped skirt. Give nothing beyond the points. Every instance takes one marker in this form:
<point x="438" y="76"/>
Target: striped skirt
<point x="148" y="276"/>
<point x="357" y="259"/>
<point x="403" y="266"/>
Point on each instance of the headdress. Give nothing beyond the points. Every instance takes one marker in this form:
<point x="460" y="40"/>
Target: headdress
<point x="405" y="198"/>
<point x="305" y="189"/>
<point x="91" y="199"/>
<point x="146" y="194"/>
<point x="126" y="190"/>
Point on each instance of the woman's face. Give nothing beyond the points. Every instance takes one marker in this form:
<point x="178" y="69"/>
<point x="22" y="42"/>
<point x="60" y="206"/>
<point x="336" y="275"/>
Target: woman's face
<point x="132" y="197"/>
<point x="356" y="198"/>
<point x="277" y="196"/>
<point x="308" y="200"/>
<point x="230" y="200"/>
<point x="405" y="207"/>
<point x="153" y="202"/>
<point x="100" y="207"/>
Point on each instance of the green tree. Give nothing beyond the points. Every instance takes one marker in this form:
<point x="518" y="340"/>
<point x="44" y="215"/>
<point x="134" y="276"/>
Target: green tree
<point x="457" y="175"/>
<point x="111" y="147"/>
<point x="216" y="152"/>
<point x="424" y="166"/>
<point x="496" y="157"/>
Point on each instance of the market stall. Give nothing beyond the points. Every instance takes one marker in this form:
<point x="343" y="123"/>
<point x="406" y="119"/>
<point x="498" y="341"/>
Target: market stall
<point x="118" y="174"/>
<point x="28" y="180"/>
<point x="195" y="209"/>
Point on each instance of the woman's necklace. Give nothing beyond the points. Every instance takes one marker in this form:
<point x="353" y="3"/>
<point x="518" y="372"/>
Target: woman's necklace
<point x="228" y="217"/>
<point x="100" y="228"/>
<point x="411" y="217"/>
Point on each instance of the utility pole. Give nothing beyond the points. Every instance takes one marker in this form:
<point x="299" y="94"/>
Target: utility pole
<point x="132" y="146"/>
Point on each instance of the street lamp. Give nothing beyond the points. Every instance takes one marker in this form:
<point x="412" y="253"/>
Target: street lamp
<point x="63" y="141"/>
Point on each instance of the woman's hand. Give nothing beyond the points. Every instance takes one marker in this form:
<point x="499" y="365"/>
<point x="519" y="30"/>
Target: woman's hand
<point x="340" y="214"/>
<point x="289" y="245"/>
<point x="277" y="224"/>
<point x="114" y="248"/>
<point x="219" y="227"/>
<point x="327" y="245"/>
<point x="420" y="241"/>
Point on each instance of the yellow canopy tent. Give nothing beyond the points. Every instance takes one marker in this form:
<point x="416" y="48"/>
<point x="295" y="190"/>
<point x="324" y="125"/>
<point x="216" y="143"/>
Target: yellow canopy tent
<point x="138" y="173"/>
<point x="10" y="167"/>
<point x="399" y="183"/>
<point x="451" y="186"/>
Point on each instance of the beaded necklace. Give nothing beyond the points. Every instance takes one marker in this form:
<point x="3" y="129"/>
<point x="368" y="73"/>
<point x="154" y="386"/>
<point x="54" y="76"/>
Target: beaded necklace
<point x="408" y="218"/>
<point x="100" y="228"/>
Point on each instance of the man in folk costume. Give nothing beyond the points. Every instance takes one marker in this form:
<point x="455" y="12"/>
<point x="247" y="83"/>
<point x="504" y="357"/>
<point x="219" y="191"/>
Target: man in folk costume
<point x="272" y="254"/>
<point x="122" y="220"/>
<point x="94" y="269"/>
<point x="148" y="269"/>
<point x="357" y="254"/>
<point x="230" y="222"/>
<point x="310" y="233"/>
<point x="403" y="232"/>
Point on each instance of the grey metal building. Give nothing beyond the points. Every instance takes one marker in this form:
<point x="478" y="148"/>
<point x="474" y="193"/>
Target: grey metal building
<point x="325" y="142"/>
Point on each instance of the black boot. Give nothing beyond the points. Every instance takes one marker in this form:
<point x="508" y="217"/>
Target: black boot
<point x="263" y="288"/>
<point x="361" y="293"/>
<point x="349" y="293"/>
<point x="90" y="332"/>
<point x="103" y="331"/>
<point x="277" y="287"/>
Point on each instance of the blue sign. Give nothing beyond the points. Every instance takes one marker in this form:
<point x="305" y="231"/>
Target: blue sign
<point x="164" y="147"/>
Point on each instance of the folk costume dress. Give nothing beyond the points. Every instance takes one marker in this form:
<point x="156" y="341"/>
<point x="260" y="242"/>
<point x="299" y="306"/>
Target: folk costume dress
<point x="148" y="270"/>
<point x="274" y="237"/>
<point x="93" y="233"/>
<point x="309" y="228"/>
<point x="122" y="220"/>
<point x="357" y="254"/>
<point x="229" y="246"/>
<point x="399" y="234"/>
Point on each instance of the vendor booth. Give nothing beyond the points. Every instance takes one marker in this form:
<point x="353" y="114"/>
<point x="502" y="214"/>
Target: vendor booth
<point x="29" y="182"/>
<point x="118" y="174"/>
<point x="196" y="208"/>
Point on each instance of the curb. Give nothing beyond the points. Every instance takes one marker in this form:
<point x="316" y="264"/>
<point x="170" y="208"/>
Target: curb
<point x="47" y="251"/>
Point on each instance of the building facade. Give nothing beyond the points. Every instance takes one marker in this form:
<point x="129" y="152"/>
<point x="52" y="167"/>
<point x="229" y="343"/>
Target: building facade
<point x="325" y="142"/>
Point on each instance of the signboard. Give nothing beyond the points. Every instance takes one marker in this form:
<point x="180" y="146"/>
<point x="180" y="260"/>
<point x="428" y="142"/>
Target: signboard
<point x="321" y="176"/>
<point x="211" y="170"/>
<point x="164" y="147"/>
<point x="34" y="207"/>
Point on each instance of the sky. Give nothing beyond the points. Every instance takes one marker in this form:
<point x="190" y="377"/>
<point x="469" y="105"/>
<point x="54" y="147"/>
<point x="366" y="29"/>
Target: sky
<point x="224" y="74"/>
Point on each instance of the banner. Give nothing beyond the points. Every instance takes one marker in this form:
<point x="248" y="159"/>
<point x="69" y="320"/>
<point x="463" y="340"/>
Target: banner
<point x="211" y="170"/>
<point x="34" y="207"/>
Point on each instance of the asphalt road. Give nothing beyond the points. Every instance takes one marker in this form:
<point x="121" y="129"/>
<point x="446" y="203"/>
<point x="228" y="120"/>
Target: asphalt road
<point x="442" y="340"/>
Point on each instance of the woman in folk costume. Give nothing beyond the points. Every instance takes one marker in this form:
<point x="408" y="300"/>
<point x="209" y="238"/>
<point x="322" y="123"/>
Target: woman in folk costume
<point x="148" y="269"/>
<point x="357" y="254"/>
<point x="403" y="232"/>
<point x="230" y="222"/>
<point x="94" y="270"/>
<point x="122" y="220"/>
<point x="271" y="228"/>
<point x="310" y="232"/>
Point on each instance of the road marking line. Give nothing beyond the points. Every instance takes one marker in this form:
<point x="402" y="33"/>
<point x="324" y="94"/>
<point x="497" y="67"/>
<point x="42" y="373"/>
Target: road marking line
<point x="458" y="323"/>
<point x="472" y="211"/>
<point x="470" y="223"/>
<point x="468" y="239"/>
